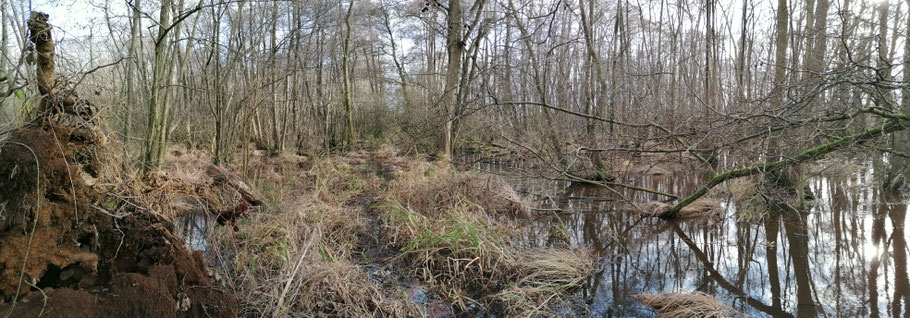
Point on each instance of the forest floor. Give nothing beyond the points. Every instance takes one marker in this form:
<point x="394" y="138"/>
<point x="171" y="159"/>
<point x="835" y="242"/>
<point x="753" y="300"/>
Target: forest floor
<point x="378" y="233"/>
<point x="367" y="233"/>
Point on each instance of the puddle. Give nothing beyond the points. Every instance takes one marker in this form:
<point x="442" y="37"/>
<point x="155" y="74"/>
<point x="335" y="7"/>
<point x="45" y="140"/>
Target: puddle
<point x="845" y="257"/>
<point x="194" y="229"/>
<point x="427" y="301"/>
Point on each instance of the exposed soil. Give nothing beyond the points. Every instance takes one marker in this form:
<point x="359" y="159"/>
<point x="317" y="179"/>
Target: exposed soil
<point x="370" y="248"/>
<point x="87" y="252"/>
<point x="376" y="256"/>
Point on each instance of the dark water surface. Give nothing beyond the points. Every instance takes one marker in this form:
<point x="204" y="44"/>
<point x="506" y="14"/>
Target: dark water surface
<point x="845" y="257"/>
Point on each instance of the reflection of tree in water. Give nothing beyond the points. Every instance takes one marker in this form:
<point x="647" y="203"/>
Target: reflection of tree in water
<point x="877" y="240"/>
<point x="804" y="264"/>
<point x="844" y="258"/>
<point x="772" y="227"/>
<point x="898" y="213"/>
<point x="798" y="240"/>
<point x="892" y="208"/>
<point x="723" y="282"/>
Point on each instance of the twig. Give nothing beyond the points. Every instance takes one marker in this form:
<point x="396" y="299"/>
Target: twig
<point x="106" y="212"/>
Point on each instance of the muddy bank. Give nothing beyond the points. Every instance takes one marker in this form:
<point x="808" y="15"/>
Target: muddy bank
<point x="73" y="244"/>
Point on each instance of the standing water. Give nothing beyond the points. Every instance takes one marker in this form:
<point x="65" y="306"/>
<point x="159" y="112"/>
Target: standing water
<point x="845" y="257"/>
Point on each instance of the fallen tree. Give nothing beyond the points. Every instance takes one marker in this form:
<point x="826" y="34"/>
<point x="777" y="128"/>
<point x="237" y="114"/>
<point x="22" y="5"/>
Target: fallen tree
<point x="72" y="241"/>
<point x="895" y="123"/>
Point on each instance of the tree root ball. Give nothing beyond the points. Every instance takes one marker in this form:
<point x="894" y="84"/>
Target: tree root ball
<point x="86" y="253"/>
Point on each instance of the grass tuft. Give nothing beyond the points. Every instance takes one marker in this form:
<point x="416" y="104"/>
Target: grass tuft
<point x="460" y="232"/>
<point x="685" y="305"/>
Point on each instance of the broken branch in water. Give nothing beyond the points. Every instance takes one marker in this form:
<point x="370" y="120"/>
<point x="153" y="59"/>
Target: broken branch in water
<point x="901" y="123"/>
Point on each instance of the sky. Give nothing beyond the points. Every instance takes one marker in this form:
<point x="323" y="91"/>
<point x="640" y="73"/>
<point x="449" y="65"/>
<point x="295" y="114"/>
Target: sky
<point x="73" y="17"/>
<point x="79" y="18"/>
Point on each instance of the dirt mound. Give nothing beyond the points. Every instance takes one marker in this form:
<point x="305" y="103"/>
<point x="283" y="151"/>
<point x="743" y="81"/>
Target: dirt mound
<point x="72" y="244"/>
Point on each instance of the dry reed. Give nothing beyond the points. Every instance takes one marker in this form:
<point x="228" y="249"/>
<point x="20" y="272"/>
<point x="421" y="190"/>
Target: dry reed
<point x="685" y="305"/>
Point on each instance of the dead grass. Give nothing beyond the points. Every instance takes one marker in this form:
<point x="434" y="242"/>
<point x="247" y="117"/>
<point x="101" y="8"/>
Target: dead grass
<point x="746" y="194"/>
<point x="456" y="232"/>
<point x="429" y="188"/>
<point x="459" y="232"/>
<point x="183" y="187"/>
<point x="337" y="179"/>
<point x="755" y="197"/>
<point x="685" y="305"/>
<point x="341" y="289"/>
<point x="835" y="167"/>
<point x="298" y="262"/>
<point x="742" y="188"/>
<point x="547" y="275"/>
<point x="295" y="258"/>
<point x="703" y="208"/>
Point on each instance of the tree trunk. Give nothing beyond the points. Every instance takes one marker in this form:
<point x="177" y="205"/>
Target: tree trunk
<point x="273" y="81"/>
<point x="399" y="68"/>
<point x="4" y="45"/>
<point x="348" y="103"/>
<point x="156" y="122"/>
<point x="131" y="64"/>
<point x="586" y="27"/>
<point x="815" y="51"/>
<point x="171" y="63"/>
<point x="40" y="35"/>
<point x="780" y="66"/>
<point x="900" y="167"/>
<point x="455" y="48"/>
<point x="540" y="86"/>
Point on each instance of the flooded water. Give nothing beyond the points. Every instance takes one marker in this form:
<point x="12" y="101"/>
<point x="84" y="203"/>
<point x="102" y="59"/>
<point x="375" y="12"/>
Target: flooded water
<point x="844" y="257"/>
<point x="195" y="228"/>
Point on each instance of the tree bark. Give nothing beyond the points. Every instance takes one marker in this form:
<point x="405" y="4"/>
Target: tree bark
<point x="455" y="48"/>
<point x="273" y="80"/>
<point x="602" y="88"/>
<point x="40" y="36"/>
<point x="156" y="121"/>
<point x="348" y="103"/>
<point x="131" y="98"/>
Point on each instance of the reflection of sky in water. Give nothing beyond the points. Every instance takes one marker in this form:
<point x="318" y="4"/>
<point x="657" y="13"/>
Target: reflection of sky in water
<point x="194" y="227"/>
<point x="847" y="253"/>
